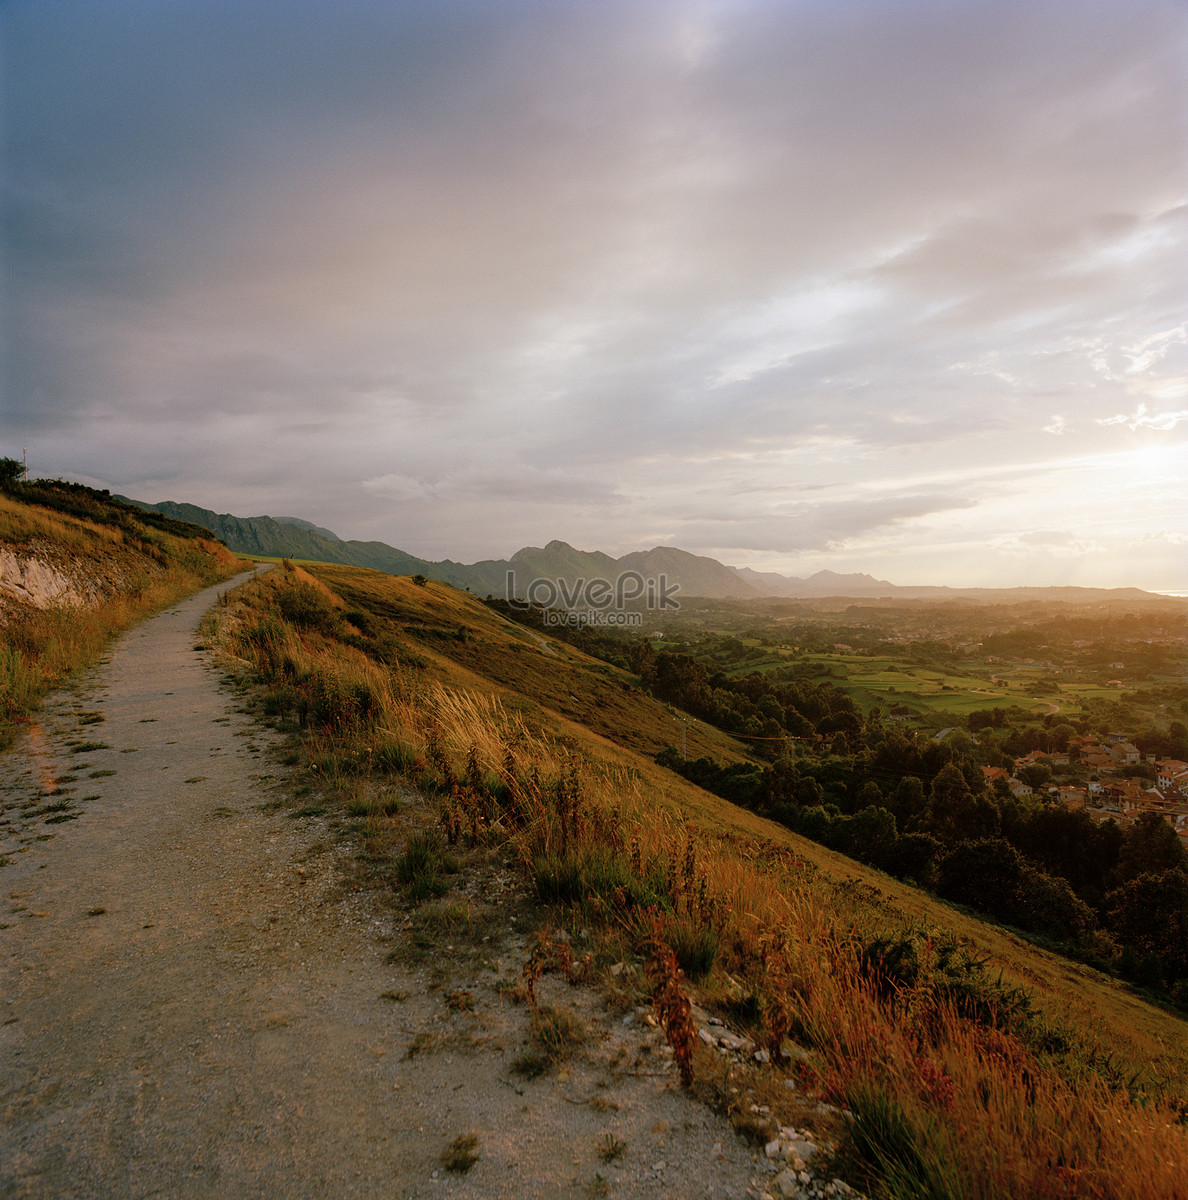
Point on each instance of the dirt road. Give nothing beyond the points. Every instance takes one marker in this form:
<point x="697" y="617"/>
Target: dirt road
<point x="194" y="1001"/>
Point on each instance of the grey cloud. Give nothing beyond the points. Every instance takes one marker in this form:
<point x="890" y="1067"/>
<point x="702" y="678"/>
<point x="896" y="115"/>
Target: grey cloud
<point x="516" y="482"/>
<point x="407" y="241"/>
<point x="802" y="528"/>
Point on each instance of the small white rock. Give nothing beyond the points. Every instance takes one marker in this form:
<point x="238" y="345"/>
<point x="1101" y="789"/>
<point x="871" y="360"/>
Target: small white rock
<point x="786" y="1186"/>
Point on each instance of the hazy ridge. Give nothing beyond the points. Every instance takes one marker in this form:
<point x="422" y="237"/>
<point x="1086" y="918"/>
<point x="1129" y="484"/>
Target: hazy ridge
<point x="695" y="575"/>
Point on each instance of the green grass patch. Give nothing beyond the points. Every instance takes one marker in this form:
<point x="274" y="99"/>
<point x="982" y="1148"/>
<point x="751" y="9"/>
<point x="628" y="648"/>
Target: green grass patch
<point x="895" y="1154"/>
<point x="596" y="873"/>
<point x="424" y="865"/>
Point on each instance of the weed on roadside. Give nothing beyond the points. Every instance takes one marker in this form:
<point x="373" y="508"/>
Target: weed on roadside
<point x="557" y="1031"/>
<point x="611" y="1148"/>
<point x="424" y="865"/>
<point x="459" y="1156"/>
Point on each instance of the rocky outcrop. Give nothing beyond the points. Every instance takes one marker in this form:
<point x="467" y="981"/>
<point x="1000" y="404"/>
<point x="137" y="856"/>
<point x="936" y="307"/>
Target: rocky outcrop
<point x="37" y="582"/>
<point x="42" y="573"/>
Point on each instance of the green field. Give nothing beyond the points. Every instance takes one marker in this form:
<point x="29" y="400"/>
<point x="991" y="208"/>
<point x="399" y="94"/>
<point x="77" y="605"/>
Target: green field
<point x="885" y="681"/>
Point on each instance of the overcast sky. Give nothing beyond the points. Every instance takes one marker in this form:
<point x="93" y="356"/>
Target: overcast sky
<point x="884" y="285"/>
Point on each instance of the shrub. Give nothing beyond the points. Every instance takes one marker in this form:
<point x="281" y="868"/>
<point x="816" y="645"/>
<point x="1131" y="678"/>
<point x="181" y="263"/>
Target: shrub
<point x="924" y="964"/>
<point x="424" y="864"/>
<point x="595" y="873"/>
<point x="362" y="621"/>
<point x="301" y="604"/>
<point x="394" y="757"/>
<point x="341" y="705"/>
<point x="912" y="857"/>
<point x="884" y="1140"/>
<point x="694" y="943"/>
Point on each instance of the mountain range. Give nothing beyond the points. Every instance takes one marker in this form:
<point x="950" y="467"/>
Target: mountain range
<point x="693" y="574"/>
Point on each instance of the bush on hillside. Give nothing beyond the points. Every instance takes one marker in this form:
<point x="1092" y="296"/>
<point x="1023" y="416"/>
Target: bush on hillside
<point x="12" y="471"/>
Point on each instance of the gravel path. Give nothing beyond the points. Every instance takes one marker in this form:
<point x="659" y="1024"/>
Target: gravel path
<point x="196" y="1001"/>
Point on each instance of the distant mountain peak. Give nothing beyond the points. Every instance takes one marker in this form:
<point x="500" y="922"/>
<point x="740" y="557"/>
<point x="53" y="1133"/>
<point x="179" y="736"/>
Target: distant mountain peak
<point x="821" y="583"/>
<point x="856" y="578"/>
<point x="694" y="575"/>
<point x="301" y="523"/>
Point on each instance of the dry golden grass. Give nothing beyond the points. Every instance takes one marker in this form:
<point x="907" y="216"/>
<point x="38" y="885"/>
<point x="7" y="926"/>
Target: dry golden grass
<point x="137" y="575"/>
<point x="1080" y="1097"/>
<point x="21" y="523"/>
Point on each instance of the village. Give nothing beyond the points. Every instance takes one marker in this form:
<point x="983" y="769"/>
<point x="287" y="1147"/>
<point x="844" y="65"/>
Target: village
<point x="1110" y="778"/>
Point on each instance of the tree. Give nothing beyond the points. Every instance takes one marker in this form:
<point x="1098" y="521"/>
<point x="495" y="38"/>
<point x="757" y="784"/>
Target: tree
<point x="870" y="796"/>
<point x="986" y="718"/>
<point x="1061" y="734"/>
<point x="955" y="812"/>
<point x="12" y="471"/>
<point x="1150" y="845"/>
<point x="1048" y="905"/>
<point x="816" y="822"/>
<point x="986" y="874"/>
<point x="912" y="857"/>
<point x="1149" y="916"/>
<point x="785" y="782"/>
<point x="1035" y="774"/>
<point x="908" y="801"/>
<point x="870" y="836"/>
<point x="1066" y="842"/>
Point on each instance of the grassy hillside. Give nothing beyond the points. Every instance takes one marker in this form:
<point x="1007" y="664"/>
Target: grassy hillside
<point x="79" y="567"/>
<point x="974" y="1063"/>
<point x="469" y="645"/>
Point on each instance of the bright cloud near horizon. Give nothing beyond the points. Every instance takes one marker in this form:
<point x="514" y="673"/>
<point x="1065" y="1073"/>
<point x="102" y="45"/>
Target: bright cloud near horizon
<point x="893" y="286"/>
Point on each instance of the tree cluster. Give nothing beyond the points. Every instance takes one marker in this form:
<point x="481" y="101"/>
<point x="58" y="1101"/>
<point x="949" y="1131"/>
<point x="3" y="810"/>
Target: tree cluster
<point x="921" y="811"/>
<point x="753" y="706"/>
